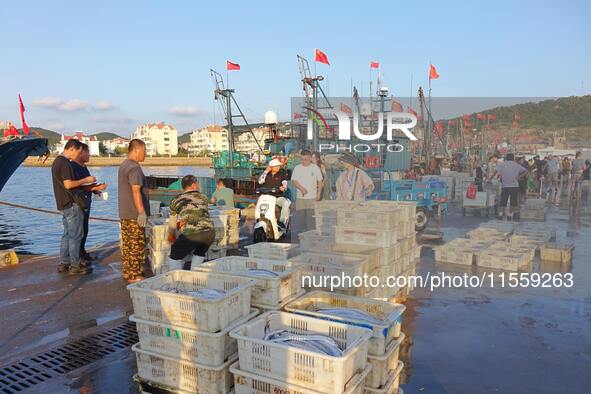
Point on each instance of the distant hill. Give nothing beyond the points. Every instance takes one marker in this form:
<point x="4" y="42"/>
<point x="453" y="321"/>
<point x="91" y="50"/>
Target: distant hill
<point x="565" y="112"/>
<point x="185" y="138"/>
<point x="106" y="136"/>
<point x="52" y="136"/>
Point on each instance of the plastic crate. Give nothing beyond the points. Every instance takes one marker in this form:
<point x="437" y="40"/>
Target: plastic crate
<point x="447" y="254"/>
<point x="313" y="241"/>
<point x="366" y="236"/>
<point x="183" y="374"/>
<point x="250" y="383"/>
<point x="382" y="365"/>
<point x="375" y="256"/>
<point x="211" y="349"/>
<point x="147" y="387"/>
<point x="503" y="259"/>
<point x="325" y="264"/>
<point x="392" y="385"/>
<point x="390" y="315"/>
<point x="326" y="374"/>
<point x="151" y="303"/>
<point x="552" y="251"/>
<point x="533" y="214"/>
<point x="371" y="217"/>
<point x="272" y="250"/>
<point x="409" y="207"/>
<point x="267" y="291"/>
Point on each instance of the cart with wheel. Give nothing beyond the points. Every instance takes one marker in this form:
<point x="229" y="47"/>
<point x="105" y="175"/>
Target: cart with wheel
<point x="484" y="203"/>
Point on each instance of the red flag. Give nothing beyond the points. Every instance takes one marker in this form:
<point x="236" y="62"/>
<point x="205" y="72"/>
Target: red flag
<point x="396" y="106"/>
<point x="346" y="109"/>
<point x="374" y="64"/>
<point x="492" y="117"/>
<point x="10" y="130"/>
<point x="480" y="116"/>
<point x="488" y="126"/>
<point x="232" y="66"/>
<point x="320" y="57"/>
<point x="297" y="115"/>
<point x="438" y="128"/>
<point x="22" y="109"/>
<point x="466" y="118"/>
<point x="433" y="72"/>
<point x="412" y="111"/>
<point x="451" y="122"/>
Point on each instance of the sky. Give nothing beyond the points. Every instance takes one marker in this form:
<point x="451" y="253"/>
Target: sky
<point x="113" y="65"/>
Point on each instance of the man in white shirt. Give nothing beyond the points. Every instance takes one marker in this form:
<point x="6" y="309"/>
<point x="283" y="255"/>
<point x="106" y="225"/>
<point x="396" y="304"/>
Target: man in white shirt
<point x="307" y="179"/>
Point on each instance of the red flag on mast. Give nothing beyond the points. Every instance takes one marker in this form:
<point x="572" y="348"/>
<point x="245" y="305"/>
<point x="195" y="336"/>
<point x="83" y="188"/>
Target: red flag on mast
<point x="346" y="109"/>
<point x="22" y="110"/>
<point x="232" y="66"/>
<point x="433" y="72"/>
<point x="321" y="57"/>
<point x="374" y="64"/>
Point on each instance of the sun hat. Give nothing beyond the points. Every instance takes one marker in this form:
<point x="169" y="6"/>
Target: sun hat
<point x="349" y="158"/>
<point x="275" y="163"/>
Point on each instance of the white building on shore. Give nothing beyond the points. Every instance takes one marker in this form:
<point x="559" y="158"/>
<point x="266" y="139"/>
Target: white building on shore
<point x="247" y="142"/>
<point x="160" y="138"/>
<point x="91" y="141"/>
<point x="115" y="143"/>
<point x="212" y="138"/>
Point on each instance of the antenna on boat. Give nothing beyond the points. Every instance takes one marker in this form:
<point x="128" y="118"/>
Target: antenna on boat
<point x="314" y="96"/>
<point x="226" y="99"/>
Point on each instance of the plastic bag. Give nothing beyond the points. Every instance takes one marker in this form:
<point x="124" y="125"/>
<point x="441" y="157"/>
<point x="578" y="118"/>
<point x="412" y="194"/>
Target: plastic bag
<point x="471" y="191"/>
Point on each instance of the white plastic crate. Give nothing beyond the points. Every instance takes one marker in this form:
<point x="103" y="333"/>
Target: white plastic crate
<point x="152" y="303"/>
<point x="371" y="217"/>
<point x="552" y="251"/>
<point x="183" y="374"/>
<point x="416" y="252"/>
<point x="157" y="231"/>
<point x="313" y="241"/>
<point x="326" y="374"/>
<point x="318" y="265"/>
<point x="382" y="365"/>
<point x="392" y="385"/>
<point x="250" y="383"/>
<point x="505" y="260"/>
<point x="375" y="256"/>
<point x="268" y="291"/>
<point x="211" y="349"/>
<point x="447" y="254"/>
<point x="366" y="236"/>
<point x="390" y="315"/>
<point x="280" y="306"/>
<point x="409" y="207"/>
<point x="272" y="250"/>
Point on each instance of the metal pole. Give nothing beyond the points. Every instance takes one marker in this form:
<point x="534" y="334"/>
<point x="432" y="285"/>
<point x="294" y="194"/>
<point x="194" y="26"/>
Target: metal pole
<point x="315" y="107"/>
<point x="230" y="127"/>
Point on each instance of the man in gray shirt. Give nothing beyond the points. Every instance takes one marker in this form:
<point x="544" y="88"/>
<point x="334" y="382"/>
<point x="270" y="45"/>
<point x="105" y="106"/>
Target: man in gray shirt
<point x="133" y="211"/>
<point x="552" y="170"/>
<point x="510" y="172"/>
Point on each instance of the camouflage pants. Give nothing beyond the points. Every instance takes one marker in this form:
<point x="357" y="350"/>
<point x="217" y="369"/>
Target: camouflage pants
<point x="133" y="248"/>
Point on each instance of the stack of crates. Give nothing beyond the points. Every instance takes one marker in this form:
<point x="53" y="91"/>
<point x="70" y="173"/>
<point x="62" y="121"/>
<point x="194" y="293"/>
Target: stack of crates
<point x="227" y="226"/>
<point x="460" y="251"/>
<point x="158" y="248"/>
<point x="385" y="325"/>
<point x="184" y="343"/>
<point x="276" y="281"/>
<point x="265" y="366"/>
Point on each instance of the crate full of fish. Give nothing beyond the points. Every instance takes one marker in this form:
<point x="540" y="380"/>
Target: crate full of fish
<point x="250" y="383"/>
<point x="272" y="250"/>
<point x="383" y="318"/>
<point x="199" y="300"/>
<point x="275" y="280"/>
<point x="315" y="353"/>
<point x="182" y="374"/>
<point x="392" y="385"/>
<point x="211" y="349"/>
<point x="366" y="236"/>
<point x="382" y="365"/>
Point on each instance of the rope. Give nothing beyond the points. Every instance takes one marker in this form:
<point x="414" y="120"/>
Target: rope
<point x="53" y="212"/>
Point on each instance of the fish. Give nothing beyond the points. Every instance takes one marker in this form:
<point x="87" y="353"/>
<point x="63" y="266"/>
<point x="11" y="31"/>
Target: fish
<point x="208" y="294"/>
<point x="351" y="313"/>
<point x="312" y="342"/>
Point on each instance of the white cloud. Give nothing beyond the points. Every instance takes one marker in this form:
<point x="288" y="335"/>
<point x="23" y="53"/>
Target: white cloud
<point x="185" y="111"/>
<point x="114" y="119"/>
<point x="103" y="105"/>
<point x="61" y="105"/>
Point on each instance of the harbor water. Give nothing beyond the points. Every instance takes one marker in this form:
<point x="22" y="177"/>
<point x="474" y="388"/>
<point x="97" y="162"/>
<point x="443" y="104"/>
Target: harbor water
<point x="31" y="232"/>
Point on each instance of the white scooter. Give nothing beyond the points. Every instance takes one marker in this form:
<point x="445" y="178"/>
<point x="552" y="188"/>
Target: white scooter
<point x="267" y="226"/>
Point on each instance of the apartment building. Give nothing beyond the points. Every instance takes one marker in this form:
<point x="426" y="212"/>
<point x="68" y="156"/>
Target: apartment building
<point x="160" y="138"/>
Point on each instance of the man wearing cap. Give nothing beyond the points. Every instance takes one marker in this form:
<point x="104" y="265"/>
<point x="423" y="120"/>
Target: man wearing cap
<point x="274" y="177"/>
<point x="353" y="184"/>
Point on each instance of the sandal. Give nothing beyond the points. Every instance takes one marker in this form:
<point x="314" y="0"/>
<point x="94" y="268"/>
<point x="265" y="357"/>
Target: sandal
<point x="135" y="280"/>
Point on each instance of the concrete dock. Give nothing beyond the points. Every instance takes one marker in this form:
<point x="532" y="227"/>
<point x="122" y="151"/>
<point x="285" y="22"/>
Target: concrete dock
<point x="459" y="340"/>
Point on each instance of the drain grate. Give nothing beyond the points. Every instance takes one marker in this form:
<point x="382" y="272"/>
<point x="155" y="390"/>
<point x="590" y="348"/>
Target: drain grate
<point x="28" y="372"/>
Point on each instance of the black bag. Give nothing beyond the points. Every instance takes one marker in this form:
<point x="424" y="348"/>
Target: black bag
<point x="81" y="197"/>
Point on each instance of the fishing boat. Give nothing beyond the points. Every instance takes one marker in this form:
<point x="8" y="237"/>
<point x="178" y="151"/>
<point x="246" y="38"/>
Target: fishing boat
<point x="14" y="150"/>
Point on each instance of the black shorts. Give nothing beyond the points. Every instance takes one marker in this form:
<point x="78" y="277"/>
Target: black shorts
<point x="184" y="246"/>
<point x="510" y="193"/>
